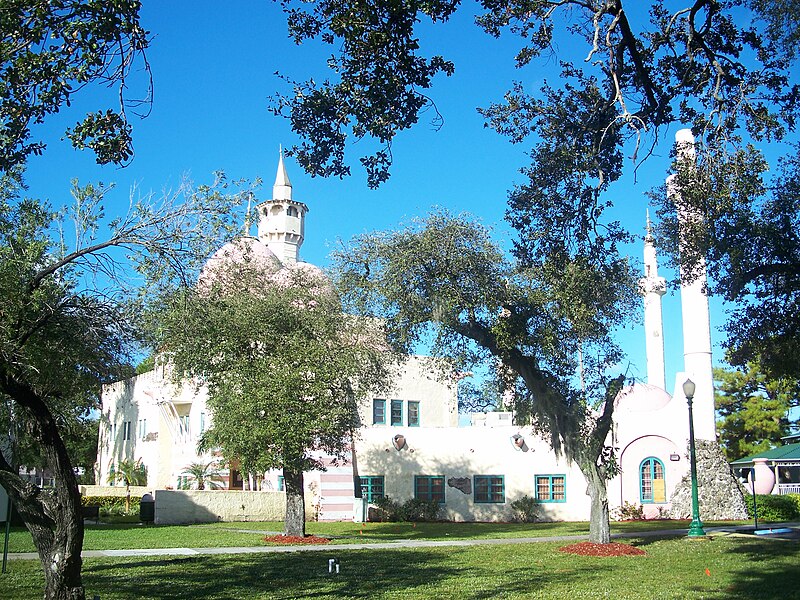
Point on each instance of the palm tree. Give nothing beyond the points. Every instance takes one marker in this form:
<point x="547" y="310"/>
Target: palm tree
<point x="203" y="474"/>
<point x="130" y="473"/>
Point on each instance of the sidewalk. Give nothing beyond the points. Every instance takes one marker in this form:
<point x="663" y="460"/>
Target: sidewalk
<point x="399" y="544"/>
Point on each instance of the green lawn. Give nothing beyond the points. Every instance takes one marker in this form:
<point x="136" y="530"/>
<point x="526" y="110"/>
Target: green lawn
<point x="131" y="536"/>
<point x="722" y="568"/>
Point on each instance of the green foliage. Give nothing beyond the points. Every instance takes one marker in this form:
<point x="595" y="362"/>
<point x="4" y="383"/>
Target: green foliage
<point x="128" y="472"/>
<point x="721" y="68"/>
<point x="640" y="75"/>
<point x="287" y="370"/>
<point x="629" y="512"/>
<point x="775" y="508"/>
<point x="146" y="364"/>
<point x="378" y="92"/>
<point x="202" y="475"/>
<point x="112" y="505"/>
<point x="414" y="510"/>
<point x="527" y="509"/>
<point x="754" y="409"/>
<point x="542" y="324"/>
<point x="50" y="51"/>
<point x="745" y="234"/>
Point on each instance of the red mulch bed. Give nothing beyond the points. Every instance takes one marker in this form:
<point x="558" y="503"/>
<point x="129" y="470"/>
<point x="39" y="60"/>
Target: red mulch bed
<point x="288" y="540"/>
<point x="612" y="549"/>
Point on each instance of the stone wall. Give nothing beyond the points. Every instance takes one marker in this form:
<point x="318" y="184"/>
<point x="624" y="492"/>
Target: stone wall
<point x="720" y="495"/>
<point x="208" y="506"/>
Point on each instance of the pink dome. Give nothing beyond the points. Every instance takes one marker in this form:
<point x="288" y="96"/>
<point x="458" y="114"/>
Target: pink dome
<point x="242" y="251"/>
<point x="641" y="397"/>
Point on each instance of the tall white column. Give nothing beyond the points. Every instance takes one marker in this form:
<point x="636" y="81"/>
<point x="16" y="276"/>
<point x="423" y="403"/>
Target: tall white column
<point x="653" y="287"/>
<point x="695" y="313"/>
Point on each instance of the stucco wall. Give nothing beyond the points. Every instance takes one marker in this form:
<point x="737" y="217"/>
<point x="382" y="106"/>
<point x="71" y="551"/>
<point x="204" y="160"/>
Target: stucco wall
<point x="419" y="380"/>
<point x="466" y="452"/>
<point x="208" y="506"/>
<point x="137" y="491"/>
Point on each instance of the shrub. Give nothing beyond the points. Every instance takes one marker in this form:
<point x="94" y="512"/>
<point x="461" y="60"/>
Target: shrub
<point x="526" y="509"/>
<point x="419" y="510"/>
<point x="415" y="510"/>
<point x="387" y="510"/>
<point x="775" y="508"/>
<point x="629" y="512"/>
<point x="112" y="505"/>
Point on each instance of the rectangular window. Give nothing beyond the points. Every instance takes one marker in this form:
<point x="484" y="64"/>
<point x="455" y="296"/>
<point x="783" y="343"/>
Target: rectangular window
<point x="429" y="487"/>
<point x="378" y="412"/>
<point x="202" y="422"/>
<point x="141" y="428"/>
<point x="397" y="412"/>
<point x="551" y="488"/>
<point x="372" y="487"/>
<point x="281" y="485"/>
<point x="413" y="414"/>
<point x="126" y="430"/>
<point x="184" y="423"/>
<point x="490" y="489"/>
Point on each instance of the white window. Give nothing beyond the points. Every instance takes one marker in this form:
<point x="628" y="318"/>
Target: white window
<point x="184" y="423"/>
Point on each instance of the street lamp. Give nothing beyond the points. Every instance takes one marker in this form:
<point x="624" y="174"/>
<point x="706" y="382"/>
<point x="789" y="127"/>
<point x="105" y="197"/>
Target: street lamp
<point x="696" y="526"/>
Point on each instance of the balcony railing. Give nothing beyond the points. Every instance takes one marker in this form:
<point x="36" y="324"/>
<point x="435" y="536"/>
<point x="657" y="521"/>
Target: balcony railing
<point x="788" y="488"/>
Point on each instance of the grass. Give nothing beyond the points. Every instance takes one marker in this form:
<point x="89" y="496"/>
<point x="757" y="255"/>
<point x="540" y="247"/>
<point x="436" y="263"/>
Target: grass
<point x="723" y="568"/>
<point x="133" y="536"/>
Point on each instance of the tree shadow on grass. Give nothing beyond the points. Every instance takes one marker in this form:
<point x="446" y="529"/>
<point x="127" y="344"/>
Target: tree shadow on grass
<point x="364" y="574"/>
<point x="770" y="569"/>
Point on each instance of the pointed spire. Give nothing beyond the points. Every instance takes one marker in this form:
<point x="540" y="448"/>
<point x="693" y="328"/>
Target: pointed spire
<point x="649" y="227"/>
<point x="282" y="189"/>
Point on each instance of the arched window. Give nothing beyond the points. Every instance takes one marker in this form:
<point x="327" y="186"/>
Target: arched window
<point x="291" y="211"/>
<point x="652" y="485"/>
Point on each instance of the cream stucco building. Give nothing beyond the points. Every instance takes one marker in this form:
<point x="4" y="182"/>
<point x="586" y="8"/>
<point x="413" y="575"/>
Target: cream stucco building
<point x="410" y="443"/>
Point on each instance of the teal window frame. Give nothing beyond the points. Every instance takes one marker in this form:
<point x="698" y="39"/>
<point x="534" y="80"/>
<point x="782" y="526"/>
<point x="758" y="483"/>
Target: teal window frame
<point x="372" y="487"/>
<point x="413" y="418"/>
<point x="651" y="461"/>
<point x="396" y="415"/>
<point x="552" y="486"/>
<point x="429" y="488"/>
<point x="379" y="411"/>
<point x="281" y="484"/>
<point x="489" y="489"/>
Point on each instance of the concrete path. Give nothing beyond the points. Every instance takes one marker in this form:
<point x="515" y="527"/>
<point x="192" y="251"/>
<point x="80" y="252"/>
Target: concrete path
<point x="397" y="544"/>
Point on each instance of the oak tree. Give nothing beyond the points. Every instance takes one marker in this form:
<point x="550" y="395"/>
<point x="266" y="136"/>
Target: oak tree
<point x="283" y="367"/>
<point x="69" y="322"/>
<point x="548" y="324"/>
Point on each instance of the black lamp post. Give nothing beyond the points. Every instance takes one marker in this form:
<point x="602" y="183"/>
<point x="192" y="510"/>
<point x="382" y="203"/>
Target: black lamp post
<point x="696" y="526"/>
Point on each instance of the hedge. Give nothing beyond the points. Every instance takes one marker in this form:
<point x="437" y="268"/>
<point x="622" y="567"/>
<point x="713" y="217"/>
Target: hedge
<point x="775" y="508"/>
<point x="111" y="504"/>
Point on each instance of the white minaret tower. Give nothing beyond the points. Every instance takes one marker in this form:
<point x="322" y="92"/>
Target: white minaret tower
<point x="653" y="287"/>
<point x="281" y="221"/>
<point x="694" y="309"/>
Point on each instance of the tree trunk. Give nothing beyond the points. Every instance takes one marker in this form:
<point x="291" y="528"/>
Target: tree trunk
<point x="295" y="521"/>
<point x="599" y="522"/>
<point x="54" y="521"/>
<point x="53" y="517"/>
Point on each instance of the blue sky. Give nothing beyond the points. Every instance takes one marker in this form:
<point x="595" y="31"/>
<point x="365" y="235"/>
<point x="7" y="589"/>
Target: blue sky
<point x="213" y="65"/>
